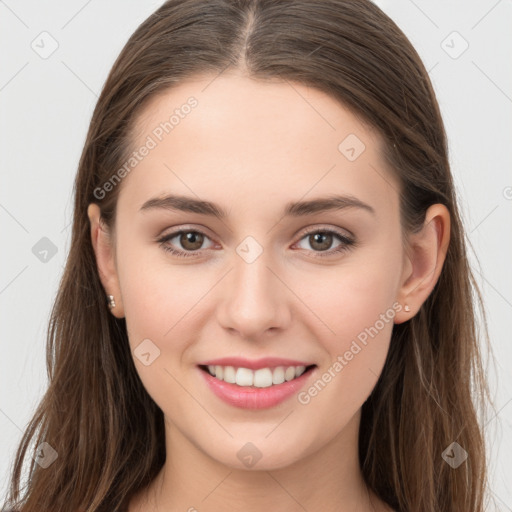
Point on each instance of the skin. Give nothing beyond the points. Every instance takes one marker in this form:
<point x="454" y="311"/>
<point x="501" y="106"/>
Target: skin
<point x="251" y="147"/>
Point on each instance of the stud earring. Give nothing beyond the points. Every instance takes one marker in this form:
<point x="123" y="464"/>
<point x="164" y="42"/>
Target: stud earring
<point x="111" y="302"/>
<point x="407" y="308"/>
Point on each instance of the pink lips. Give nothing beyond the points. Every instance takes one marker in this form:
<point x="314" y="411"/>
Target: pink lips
<point x="253" y="397"/>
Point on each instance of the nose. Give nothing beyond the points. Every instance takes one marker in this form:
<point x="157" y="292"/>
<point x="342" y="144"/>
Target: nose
<point x="256" y="299"/>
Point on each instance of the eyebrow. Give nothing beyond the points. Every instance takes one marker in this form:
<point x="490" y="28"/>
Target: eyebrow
<point x="292" y="209"/>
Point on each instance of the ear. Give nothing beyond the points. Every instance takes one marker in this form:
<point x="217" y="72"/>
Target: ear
<point x="425" y="255"/>
<point x="104" y="246"/>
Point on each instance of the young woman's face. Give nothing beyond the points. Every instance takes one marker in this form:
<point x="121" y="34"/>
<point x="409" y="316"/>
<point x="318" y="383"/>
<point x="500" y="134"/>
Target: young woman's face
<point x="258" y="282"/>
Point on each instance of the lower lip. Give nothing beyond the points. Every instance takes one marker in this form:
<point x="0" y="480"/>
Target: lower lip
<point x="255" y="398"/>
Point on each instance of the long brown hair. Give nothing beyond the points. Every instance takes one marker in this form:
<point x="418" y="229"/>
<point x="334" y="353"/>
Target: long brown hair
<point x="107" y="431"/>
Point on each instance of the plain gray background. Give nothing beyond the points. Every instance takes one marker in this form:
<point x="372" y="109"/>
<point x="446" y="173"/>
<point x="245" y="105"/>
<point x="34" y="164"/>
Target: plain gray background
<point x="46" y="104"/>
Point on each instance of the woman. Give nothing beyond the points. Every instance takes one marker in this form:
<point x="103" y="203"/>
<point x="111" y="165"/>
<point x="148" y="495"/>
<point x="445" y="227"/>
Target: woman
<point x="267" y="302"/>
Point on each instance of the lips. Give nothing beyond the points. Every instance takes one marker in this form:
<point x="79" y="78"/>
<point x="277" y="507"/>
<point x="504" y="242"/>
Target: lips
<point x="262" y="393"/>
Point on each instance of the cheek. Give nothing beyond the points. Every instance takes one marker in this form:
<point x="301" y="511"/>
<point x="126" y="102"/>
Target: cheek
<point x="160" y="305"/>
<point x="353" y="297"/>
<point x="156" y="293"/>
<point x="357" y="306"/>
<point x="159" y="301"/>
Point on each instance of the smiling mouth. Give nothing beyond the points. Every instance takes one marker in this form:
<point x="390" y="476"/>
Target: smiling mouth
<point x="262" y="378"/>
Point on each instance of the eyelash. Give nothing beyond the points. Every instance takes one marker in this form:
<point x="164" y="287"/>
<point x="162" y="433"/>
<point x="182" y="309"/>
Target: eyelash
<point x="346" y="245"/>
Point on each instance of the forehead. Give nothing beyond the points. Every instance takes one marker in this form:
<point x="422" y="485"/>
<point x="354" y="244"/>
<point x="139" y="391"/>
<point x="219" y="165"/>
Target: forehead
<point x="233" y="101"/>
<point x="263" y="140"/>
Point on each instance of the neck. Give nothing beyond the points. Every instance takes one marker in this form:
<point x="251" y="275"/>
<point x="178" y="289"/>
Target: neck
<point x="328" y="479"/>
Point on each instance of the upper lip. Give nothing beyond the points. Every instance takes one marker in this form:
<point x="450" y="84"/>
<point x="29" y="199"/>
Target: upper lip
<point x="254" y="364"/>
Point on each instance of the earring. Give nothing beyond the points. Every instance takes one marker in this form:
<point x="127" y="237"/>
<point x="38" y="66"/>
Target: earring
<point x="407" y="308"/>
<point x="111" y="302"/>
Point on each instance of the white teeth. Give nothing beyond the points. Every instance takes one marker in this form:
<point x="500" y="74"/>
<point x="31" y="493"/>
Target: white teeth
<point x="229" y="374"/>
<point x="244" y="377"/>
<point x="278" y="375"/>
<point x="299" y="370"/>
<point x="262" y="378"/>
<point x="289" y="374"/>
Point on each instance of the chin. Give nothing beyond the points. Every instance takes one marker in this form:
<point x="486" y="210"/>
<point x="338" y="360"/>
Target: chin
<point x="259" y="453"/>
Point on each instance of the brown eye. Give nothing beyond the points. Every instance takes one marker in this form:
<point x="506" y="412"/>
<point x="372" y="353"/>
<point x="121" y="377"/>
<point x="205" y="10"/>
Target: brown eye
<point x="191" y="240"/>
<point x="184" y="243"/>
<point x="320" y="241"/>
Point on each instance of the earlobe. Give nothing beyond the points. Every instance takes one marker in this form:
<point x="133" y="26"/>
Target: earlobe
<point x="105" y="261"/>
<point x="426" y="254"/>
